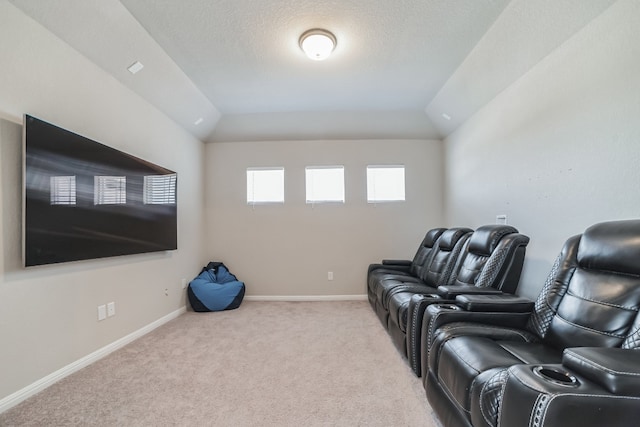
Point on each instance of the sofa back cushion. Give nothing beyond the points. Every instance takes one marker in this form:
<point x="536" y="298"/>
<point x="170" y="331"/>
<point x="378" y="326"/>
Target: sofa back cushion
<point x="444" y="256"/>
<point x="493" y="257"/>
<point x="425" y="250"/>
<point x="592" y="295"/>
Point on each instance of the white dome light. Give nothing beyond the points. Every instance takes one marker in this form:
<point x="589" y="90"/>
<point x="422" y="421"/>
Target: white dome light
<point x="317" y="44"/>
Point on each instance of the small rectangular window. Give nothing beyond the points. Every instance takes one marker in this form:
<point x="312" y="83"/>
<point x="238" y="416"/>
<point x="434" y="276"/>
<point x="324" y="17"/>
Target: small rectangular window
<point x="63" y="190"/>
<point x="160" y="189"/>
<point x="265" y="185"/>
<point x="110" y="190"/>
<point x="324" y="184"/>
<point x="385" y="183"/>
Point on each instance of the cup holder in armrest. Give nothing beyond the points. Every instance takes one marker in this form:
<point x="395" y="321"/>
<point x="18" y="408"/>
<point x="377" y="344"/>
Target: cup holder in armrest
<point x="556" y="376"/>
<point x="448" y="306"/>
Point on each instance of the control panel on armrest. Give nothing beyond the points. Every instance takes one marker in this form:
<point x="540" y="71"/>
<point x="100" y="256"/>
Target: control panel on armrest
<point x="452" y="291"/>
<point x="615" y="369"/>
<point x="496" y="303"/>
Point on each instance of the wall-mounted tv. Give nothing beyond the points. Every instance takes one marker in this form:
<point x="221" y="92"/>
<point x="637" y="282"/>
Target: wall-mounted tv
<point x="85" y="200"/>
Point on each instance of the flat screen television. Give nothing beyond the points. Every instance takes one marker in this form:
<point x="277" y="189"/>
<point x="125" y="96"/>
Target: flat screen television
<point x="85" y="200"/>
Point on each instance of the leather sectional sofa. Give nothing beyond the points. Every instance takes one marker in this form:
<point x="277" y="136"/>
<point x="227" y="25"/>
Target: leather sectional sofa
<point x="449" y="262"/>
<point x="570" y="358"/>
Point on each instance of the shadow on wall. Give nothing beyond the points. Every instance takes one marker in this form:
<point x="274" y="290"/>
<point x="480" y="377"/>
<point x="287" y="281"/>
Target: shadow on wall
<point x="533" y="267"/>
<point x="11" y="195"/>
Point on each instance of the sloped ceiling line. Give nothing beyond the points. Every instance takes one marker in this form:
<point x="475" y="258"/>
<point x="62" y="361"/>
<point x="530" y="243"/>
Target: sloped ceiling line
<point x="237" y="65"/>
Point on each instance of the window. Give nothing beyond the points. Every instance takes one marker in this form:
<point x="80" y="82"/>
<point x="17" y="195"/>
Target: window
<point x="324" y="184"/>
<point x="385" y="183"/>
<point x="160" y="189"/>
<point x="63" y="190"/>
<point x="265" y="185"/>
<point x="110" y="190"/>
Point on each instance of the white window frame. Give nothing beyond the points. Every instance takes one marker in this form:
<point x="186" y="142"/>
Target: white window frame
<point x="277" y="194"/>
<point x="313" y="188"/>
<point x="109" y="190"/>
<point x="376" y="191"/>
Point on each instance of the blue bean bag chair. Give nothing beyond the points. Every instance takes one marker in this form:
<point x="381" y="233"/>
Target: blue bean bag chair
<point x="215" y="289"/>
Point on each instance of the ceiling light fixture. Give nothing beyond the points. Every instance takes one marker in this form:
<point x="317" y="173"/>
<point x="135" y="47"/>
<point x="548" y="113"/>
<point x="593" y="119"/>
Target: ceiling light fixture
<point x="317" y="43"/>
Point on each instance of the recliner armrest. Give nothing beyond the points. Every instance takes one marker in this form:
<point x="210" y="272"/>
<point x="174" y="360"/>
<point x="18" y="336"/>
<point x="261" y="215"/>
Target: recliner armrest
<point x="616" y="370"/>
<point x="402" y="262"/>
<point x="452" y="291"/>
<point x="388" y="264"/>
<point x="437" y="315"/>
<point x="495" y="303"/>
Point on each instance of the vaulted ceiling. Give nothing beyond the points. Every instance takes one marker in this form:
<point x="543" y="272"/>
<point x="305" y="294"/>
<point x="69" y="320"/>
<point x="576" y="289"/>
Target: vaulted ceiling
<point x="401" y="69"/>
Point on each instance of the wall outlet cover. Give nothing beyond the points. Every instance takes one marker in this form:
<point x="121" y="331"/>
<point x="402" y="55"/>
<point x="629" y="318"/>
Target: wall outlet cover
<point x="111" y="309"/>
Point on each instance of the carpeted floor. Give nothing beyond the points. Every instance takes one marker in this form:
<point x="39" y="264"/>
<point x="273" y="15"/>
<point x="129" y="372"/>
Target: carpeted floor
<point x="264" y="364"/>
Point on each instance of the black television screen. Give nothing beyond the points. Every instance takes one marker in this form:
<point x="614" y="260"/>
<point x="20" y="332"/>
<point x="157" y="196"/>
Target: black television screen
<point x="84" y="200"/>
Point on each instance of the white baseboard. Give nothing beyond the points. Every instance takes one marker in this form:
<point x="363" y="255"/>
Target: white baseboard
<point x="28" y="391"/>
<point x="305" y="297"/>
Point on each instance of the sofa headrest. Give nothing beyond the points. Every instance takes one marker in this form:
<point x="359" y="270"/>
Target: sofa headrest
<point x="449" y="238"/>
<point x="484" y="240"/>
<point x="431" y="237"/>
<point x="611" y="246"/>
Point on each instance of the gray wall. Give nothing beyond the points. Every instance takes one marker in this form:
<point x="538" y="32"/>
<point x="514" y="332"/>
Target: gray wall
<point x="48" y="314"/>
<point x="559" y="149"/>
<point x="287" y="249"/>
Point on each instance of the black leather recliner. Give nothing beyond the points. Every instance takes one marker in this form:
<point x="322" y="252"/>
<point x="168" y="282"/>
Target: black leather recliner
<point x="402" y="268"/>
<point x="570" y="360"/>
<point x="489" y="263"/>
<point x="435" y="271"/>
<point x="488" y="260"/>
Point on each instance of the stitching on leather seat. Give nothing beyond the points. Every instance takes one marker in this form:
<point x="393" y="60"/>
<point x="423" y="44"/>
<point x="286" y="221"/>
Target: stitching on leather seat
<point x="414" y="323"/>
<point x="589" y="329"/>
<point x="635" y="309"/>
<point x="539" y="409"/>
<point x="503" y="383"/>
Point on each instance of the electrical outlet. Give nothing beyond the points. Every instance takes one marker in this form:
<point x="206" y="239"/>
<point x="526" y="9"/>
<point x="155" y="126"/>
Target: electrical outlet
<point x="184" y="283"/>
<point x="166" y="291"/>
<point x="102" y="312"/>
<point x="111" y="309"/>
<point x="501" y="219"/>
<point x="330" y="275"/>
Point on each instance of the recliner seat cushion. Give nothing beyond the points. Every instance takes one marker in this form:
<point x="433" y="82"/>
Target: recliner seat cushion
<point x="464" y="358"/>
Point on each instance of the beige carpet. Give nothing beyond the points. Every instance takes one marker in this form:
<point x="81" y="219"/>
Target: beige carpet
<point x="264" y="364"/>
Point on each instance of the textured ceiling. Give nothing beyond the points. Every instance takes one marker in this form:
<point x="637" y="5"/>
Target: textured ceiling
<point x="398" y="66"/>
<point x="244" y="54"/>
